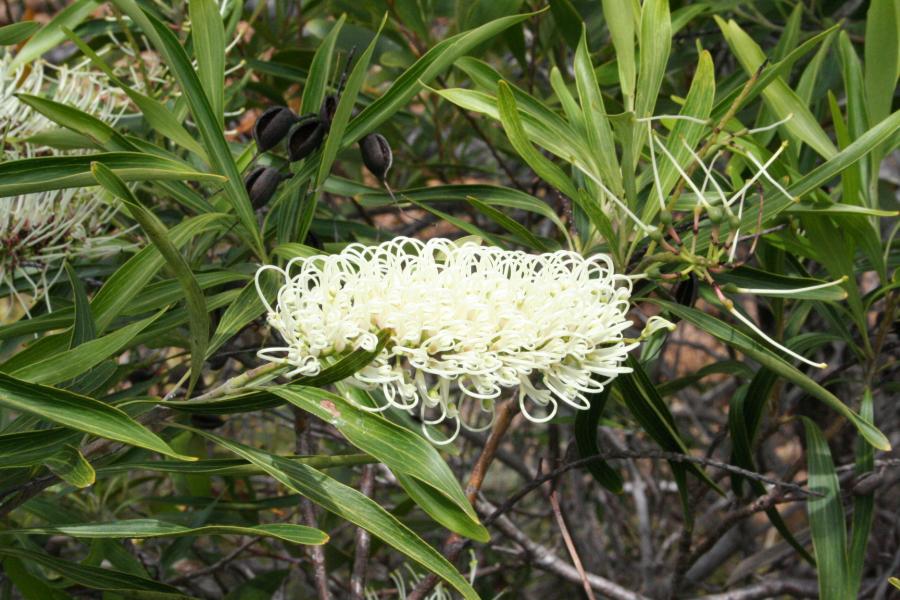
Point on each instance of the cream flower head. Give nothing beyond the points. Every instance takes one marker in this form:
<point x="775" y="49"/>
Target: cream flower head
<point x="465" y="323"/>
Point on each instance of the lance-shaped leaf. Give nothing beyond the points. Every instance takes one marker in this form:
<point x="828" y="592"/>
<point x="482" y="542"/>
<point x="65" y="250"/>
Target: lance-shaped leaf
<point x="153" y="528"/>
<point x="81" y="413"/>
<point x="45" y="173"/>
<point x="400" y="449"/>
<point x="349" y="504"/>
<point x="159" y="235"/>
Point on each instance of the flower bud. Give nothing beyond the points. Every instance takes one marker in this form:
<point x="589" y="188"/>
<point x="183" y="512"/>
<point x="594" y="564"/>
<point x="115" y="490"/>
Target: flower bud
<point x="376" y="155"/>
<point x="328" y="110"/>
<point x="306" y="136"/>
<point x="261" y="184"/>
<point x="272" y="126"/>
<point x="715" y="214"/>
<point x="733" y="221"/>
<point x="665" y="217"/>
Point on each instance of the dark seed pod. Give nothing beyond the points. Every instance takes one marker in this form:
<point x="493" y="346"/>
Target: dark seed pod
<point x="261" y="184"/>
<point x="305" y="137"/>
<point x="272" y="126"/>
<point x="686" y="291"/>
<point x="328" y="110"/>
<point x="376" y="155"/>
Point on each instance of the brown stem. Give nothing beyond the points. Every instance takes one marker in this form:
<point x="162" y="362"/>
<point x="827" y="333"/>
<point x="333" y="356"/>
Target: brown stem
<point x="361" y="555"/>
<point x="303" y="445"/>
<point x="570" y="545"/>
<point x="454" y="544"/>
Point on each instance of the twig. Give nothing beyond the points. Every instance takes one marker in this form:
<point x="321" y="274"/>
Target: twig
<point x="544" y="558"/>
<point x="773" y="588"/>
<point x="570" y="546"/>
<point x="361" y="554"/>
<point x="303" y="445"/>
<point x="454" y="544"/>
<point x="216" y="565"/>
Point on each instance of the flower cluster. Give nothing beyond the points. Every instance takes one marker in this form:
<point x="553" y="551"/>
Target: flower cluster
<point x="38" y="231"/>
<point x="465" y="322"/>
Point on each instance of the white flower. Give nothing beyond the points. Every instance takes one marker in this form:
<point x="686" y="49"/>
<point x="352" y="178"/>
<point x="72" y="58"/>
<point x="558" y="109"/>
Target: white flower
<point x="465" y="322"/>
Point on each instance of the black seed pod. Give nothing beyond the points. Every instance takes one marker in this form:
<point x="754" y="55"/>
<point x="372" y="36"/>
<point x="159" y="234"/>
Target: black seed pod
<point x="261" y="184"/>
<point x="328" y="110"/>
<point x="376" y="155"/>
<point x="305" y="137"/>
<point x="272" y="126"/>
<point x="686" y="291"/>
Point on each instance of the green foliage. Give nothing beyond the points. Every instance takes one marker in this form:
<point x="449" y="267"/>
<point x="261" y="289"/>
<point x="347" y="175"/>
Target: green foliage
<point x="730" y="160"/>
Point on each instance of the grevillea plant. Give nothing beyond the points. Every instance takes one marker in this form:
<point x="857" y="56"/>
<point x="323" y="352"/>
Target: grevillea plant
<point x="439" y="299"/>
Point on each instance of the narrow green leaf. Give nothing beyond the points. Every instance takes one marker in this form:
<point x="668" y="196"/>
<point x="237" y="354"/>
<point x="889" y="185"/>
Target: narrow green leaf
<point x="620" y="22"/>
<point x="42" y="174"/>
<point x="316" y="85"/>
<point x="351" y="505"/>
<point x="217" y="148"/>
<point x="153" y="528"/>
<point x="84" y="329"/>
<point x="826" y="516"/>
<point x="511" y="225"/>
<point x="780" y="98"/>
<point x="159" y="235"/>
<point x="95" y="578"/>
<point x="70" y="465"/>
<point x="34" y="447"/>
<point x="585" y="430"/>
<point x="208" y="35"/>
<point x="81" y="413"/>
<point x="130" y="279"/>
<point x="51" y="35"/>
<point x="766" y="357"/>
<point x="863" y="505"/>
<point x="882" y="56"/>
<point x="11" y="35"/>
<point x="400" y="449"/>
<point x="159" y="116"/>
<point x="76" y="361"/>
<point x="596" y="123"/>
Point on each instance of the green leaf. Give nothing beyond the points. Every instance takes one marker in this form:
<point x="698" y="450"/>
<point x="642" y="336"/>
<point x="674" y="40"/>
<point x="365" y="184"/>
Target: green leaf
<point x="316" y="84"/>
<point x="11" y="35"/>
<point x="34" y="447"/>
<point x="882" y="56"/>
<point x="96" y="578"/>
<point x="153" y="528"/>
<point x="776" y="285"/>
<point x="159" y="235"/>
<point x="130" y="279"/>
<point x="586" y="441"/>
<point x="209" y="126"/>
<point x="51" y="35"/>
<point x="70" y="465"/>
<point x="351" y="505"/>
<point x="84" y="329"/>
<point x="620" y="22"/>
<point x="231" y="466"/>
<point x="826" y="516"/>
<point x="755" y="350"/>
<point x="81" y="413"/>
<point x="76" y="361"/>
<point x="423" y="71"/>
<point x="245" y="308"/>
<point x="400" y="449"/>
<point x="651" y="412"/>
<point x="780" y="98"/>
<point x="545" y="169"/>
<point x="596" y="123"/>
<point x="208" y="35"/>
<point x="511" y="225"/>
<point x="158" y="115"/>
<point x="47" y="173"/>
<point x="863" y="505"/>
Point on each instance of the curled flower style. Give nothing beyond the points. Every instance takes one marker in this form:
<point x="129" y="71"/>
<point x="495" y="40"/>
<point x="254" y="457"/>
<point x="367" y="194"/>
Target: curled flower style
<point x="465" y="323"/>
